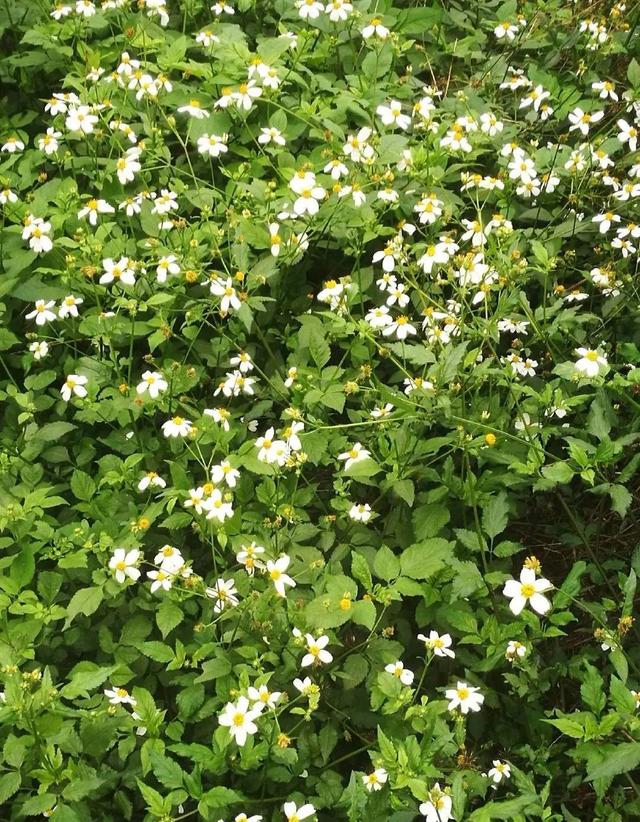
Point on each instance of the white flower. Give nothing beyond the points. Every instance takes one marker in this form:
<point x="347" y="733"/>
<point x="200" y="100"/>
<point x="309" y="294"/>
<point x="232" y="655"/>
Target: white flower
<point x="225" y="472"/>
<point x="167" y="265"/>
<point x="176" y="427"/>
<point x="465" y="697"/>
<point x="433" y="255"/>
<point x="239" y="719"/>
<point x="398" y="670"/>
<point x="246" y="94"/>
<point x="39" y="349"/>
<point x="122" y="271"/>
<point x="224" y="592"/>
<point x="514" y="649"/>
<point x="392" y="115"/>
<point x="42" y="313"/>
<point x="123" y="562"/>
<point x="606" y="89"/>
<point x="271" y="135"/>
<point x="12" y="145"/>
<point x="375" y="780"/>
<point x="248" y="556"/>
<point x="506" y="29"/>
<point x="528" y="589"/>
<point x="165" y="202"/>
<point x="280" y="579"/>
<point x="628" y="134"/>
<point x="401" y="327"/>
<point x="7" y="196"/>
<point x="243" y="362"/>
<point x="93" y="208"/>
<point x="151" y="479"/>
<point x="219" y="415"/>
<point x="356" y="453"/>
<point x="309" y="193"/>
<point x="271" y="450"/>
<point x="119" y="696"/>
<point x="500" y="771"/>
<point x="194" y="109"/>
<point x="316" y="651"/>
<point x="303" y="685"/>
<point x="357" y="147"/>
<point x="591" y="362"/>
<point x="264" y="696"/>
<point x="74" y="385"/>
<point x="216" y="507"/>
<point x="337" y="169"/>
<point x="36" y="230"/>
<point x="207" y="38"/>
<point x="213" y="144"/>
<point x="68" y="307"/>
<point x="225" y="290"/>
<point x="338" y="10"/>
<point x="153" y="382"/>
<point x="438" y="807"/>
<point x="440" y="645"/>
<point x="196" y="500"/>
<point x="606" y="219"/>
<point x="49" y="143"/>
<point x="128" y="166"/>
<point x="160" y="579"/>
<point x="309" y="9"/>
<point x="360" y="512"/>
<point x="375" y="27"/>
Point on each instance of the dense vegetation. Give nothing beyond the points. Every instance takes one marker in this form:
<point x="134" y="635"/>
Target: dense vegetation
<point x="320" y="377"/>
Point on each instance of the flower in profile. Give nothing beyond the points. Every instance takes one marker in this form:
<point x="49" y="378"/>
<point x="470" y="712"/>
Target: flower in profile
<point x="239" y="718"/>
<point x="375" y="780"/>
<point x="316" y="651"/>
<point x="276" y="570"/>
<point x="440" y="645"/>
<point x="297" y="814"/>
<point x="176" y="427"/>
<point x="465" y="697"/>
<point x="528" y="589"/>
<point x="124" y="563"/>
<point x="398" y="670"/>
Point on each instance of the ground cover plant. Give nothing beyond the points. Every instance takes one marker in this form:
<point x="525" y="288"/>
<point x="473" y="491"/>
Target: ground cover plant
<point x="320" y="377"/>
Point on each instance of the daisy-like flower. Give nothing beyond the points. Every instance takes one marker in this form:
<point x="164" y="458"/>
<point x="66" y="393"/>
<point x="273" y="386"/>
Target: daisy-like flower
<point x="242" y="362"/>
<point x="36" y="230"/>
<point x="271" y="135"/>
<point x="591" y="362"/>
<point x="120" y="271"/>
<point x="375" y="27"/>
<point x="271" y="450"/>
<point x="465" y="697"/>
<point x="69" y="307"/>
<point x="515" y="649"/>
<point x="224" y="593"/>
<point x="119" y="696"/>
<point x="438" y="806"/>
<point x="355" y="454"/>
<point x="93" y="208"/>
<point x="375" y="780"/>
<point x="229" y="296"/>
<point x="49" y="142"/>
<point x="249" y="557"/>
<point x="151" y="480"/>
<point x="216" y="507"/>
<point x="213" y="144"/>
<point x="316" y="651"/>
<point x="309" y="9"/>
<point x="239" y="718"/>
<point x="194" y="109"/>
<point x="435" y="254"/>
<point x="500" y="771"/>
<point x="297" y="814"/>
<point x="42" y="313"/>
<point x="176" y="427"/>
<point x="401" y="327"/>
<point x="196" y="500"/>
<point x="12" y="145"/>
<point x="225" y="472"/>
<point x="167" y="265"/>
<point x="123" y="563"/>
<point x="338" y="10"/>
<point x="74" y="385"/>
<point x="276" y="571"/>
<point x="360" y="512"/>
<point x="81" y="118"/>
<point x="628" y="134"/>
<point x="605" y="90"/>
<point x="440" y="645"/>
<point x="263" y="696"/>
<point x="392" y="115"/>
<point x="128" y="166"/>
<point x="39" y="349"/>
<point x="309" y="193"/>
<point x="153" y="382"/>
<point x="606" y="220"/>
<point x="160" y="579"/>
<point x="528" y="589"/>
<point x="506" y="29"/>
<point x="246" y="94"/>
<point x="398" y="670"/>
<point x="219" y="415"/>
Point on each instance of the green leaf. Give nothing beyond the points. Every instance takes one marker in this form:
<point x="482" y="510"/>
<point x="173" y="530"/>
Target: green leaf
<point x="495" y="515"/>
<point x="157" y="651"/>
<point x="360" y="571"/>
<point x="166" y="771"/>
<point x="617" y="759"/>
<point x="85" y="601"/>
<point x="87" y="680"/>
<point x="363" y="612"/>
<point x="82" y="485"/>
<point x="592" y="689"/>
<point x="9" y="784"/>
<point x="168" y="617"/>
<point x="386" y="564"/>
<point x="424" y="559"/>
